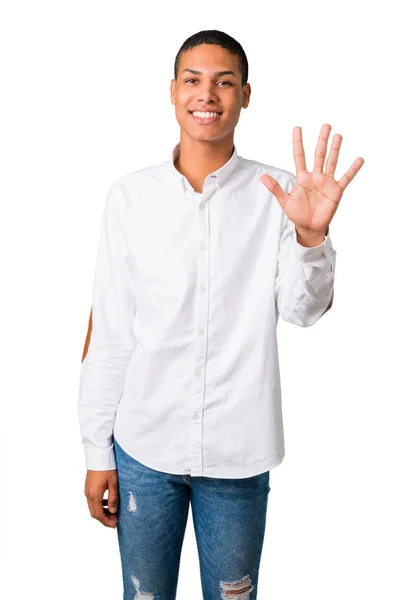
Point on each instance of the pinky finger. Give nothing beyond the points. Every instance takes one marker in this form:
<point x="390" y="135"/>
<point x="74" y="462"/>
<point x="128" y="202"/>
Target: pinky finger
<point x="351" y="173"/>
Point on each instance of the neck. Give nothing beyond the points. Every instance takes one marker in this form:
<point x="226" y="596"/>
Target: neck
<point x="198" y="158"/>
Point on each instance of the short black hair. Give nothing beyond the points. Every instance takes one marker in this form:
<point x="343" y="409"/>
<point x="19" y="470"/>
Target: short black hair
<point x="219" y="38"/>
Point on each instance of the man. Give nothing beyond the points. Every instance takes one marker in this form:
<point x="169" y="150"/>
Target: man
<point x="180" y="397"/>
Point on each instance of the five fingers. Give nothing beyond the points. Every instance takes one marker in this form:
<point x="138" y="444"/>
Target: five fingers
<point x="320" y="155"/>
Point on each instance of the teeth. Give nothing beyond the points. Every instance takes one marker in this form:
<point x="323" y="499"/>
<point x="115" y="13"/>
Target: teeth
<point x="205" y="115"/>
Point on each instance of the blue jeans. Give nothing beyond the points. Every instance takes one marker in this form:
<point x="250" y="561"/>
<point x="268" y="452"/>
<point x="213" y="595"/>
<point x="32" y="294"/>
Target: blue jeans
<point x="229" y="522"/>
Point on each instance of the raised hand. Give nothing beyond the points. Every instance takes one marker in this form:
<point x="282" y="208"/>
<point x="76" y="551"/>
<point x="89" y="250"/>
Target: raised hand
<point x="315" y="197"/>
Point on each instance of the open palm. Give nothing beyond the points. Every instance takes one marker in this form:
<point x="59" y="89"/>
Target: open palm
<point x="315" y="197"/>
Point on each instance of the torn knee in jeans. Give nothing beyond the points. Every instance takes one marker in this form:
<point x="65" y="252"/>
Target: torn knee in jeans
<point x="240" y="590"/>
<point x="140" y="595"/>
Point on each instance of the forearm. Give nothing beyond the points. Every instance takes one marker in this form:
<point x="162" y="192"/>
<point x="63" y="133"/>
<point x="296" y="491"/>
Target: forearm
<point x="305" y="277"/>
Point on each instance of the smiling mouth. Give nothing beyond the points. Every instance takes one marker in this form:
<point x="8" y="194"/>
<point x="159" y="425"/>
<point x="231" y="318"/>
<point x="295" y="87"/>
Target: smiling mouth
<point x="206" y="120"/>
<point x="206" y="111"/>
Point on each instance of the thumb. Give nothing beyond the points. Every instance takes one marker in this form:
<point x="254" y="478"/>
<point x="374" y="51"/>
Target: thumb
<point x="113" y="497"/>
<point x="274" y="188"/>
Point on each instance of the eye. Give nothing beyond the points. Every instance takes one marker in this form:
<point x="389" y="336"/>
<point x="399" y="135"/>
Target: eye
<point x="193" y="79"/>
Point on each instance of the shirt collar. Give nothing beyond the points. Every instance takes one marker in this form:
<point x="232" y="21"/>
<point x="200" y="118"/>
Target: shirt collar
<point x="220" y="176"/>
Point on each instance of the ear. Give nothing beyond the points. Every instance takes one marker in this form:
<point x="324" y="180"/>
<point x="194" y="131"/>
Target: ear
<point x="172" y="90"/>
<point x="246" y="95"/>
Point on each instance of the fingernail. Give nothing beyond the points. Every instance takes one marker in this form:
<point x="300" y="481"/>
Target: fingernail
<point x="113" y="509"/>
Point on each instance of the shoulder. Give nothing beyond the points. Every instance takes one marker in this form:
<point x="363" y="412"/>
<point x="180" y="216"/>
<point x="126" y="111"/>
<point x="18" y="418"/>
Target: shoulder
<point x="136" y="183"/>
<point x="135" y="179"/>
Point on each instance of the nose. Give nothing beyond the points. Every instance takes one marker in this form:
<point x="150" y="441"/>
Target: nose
<point x="207" y="93"/>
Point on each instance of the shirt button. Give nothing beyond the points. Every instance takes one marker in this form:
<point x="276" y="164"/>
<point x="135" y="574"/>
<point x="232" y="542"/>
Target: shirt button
<point x="202" y="288"/>
<point x="198" y="372"/>
<point x="202" y="246"/>
<point x="201" y="331"/>
<point x="195" y="415"/>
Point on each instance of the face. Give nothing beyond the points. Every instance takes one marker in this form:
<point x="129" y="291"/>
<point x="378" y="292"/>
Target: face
<point x="207" y="91"/>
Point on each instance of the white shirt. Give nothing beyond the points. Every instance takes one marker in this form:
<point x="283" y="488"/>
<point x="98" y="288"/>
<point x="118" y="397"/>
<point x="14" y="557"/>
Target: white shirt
<point x="182" y="365"/>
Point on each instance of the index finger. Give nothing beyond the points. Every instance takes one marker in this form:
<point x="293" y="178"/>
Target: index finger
<point x="298" y="150"/>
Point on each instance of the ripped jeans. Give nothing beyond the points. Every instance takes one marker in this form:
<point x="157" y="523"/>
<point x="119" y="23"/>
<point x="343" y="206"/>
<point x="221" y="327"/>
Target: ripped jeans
<point x="229" y="518"/>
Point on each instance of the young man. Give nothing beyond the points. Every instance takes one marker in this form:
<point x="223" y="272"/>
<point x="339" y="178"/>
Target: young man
<point x="180" y="397"/>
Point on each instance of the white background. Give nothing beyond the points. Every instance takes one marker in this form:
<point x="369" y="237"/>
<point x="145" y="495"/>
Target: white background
<point x="85" y="101"/>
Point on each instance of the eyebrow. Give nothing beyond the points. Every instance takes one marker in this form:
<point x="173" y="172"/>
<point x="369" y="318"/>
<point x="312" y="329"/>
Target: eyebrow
<point x="217" y="73"/>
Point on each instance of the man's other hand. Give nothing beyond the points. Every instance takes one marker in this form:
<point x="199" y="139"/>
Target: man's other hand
<point x="97" y="482"/>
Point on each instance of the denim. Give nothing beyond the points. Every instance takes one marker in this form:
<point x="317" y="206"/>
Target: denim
<point x="229" y="517"/>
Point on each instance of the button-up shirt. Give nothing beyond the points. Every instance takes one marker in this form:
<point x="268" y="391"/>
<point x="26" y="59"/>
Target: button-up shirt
<point x="182" y="366"/>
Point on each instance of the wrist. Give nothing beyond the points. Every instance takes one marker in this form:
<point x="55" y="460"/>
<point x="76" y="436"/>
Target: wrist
<point x="309" y="238"/>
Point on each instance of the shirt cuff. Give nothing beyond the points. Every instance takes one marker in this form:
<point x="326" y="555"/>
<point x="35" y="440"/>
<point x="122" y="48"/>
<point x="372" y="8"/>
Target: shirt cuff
<point x="306" y="254"/>
<point x="100" y="459"/>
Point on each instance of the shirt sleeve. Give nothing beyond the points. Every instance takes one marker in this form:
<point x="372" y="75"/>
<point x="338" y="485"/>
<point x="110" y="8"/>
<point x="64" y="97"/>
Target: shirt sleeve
<point x="112" y="340"/>
<point x="304" y="283"/>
